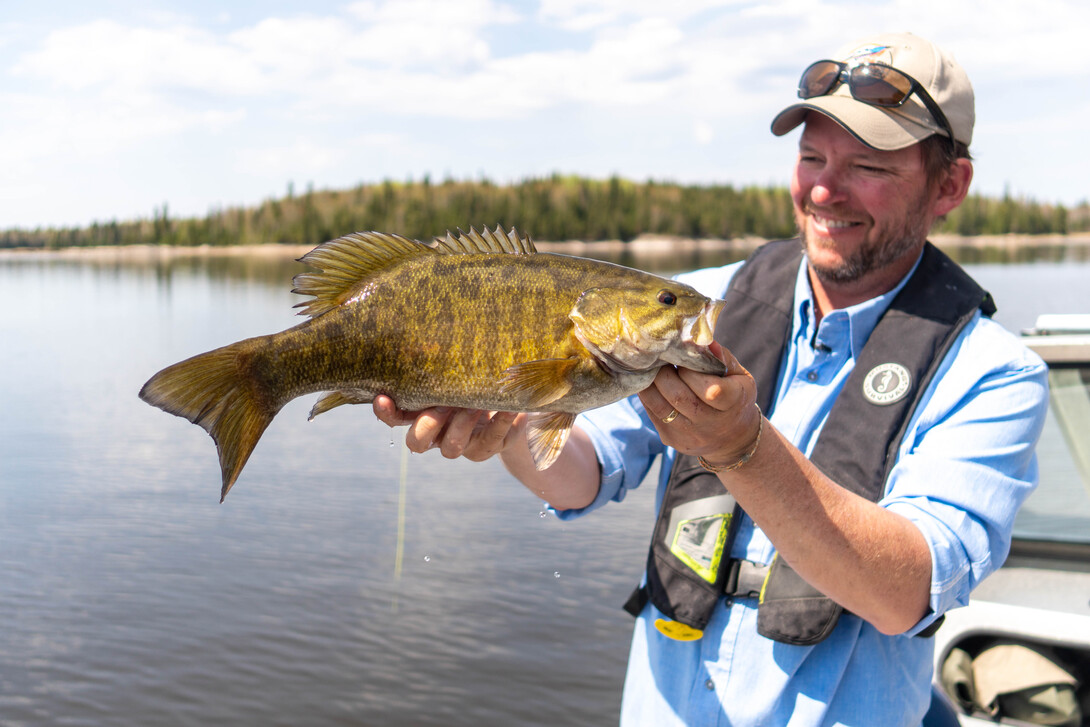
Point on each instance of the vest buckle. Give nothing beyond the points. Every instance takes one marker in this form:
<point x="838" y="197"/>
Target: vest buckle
<point x="745" y="579"/>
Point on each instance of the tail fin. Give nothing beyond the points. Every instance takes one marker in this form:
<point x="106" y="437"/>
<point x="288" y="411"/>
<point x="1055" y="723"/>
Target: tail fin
<point x="214" y="391"/>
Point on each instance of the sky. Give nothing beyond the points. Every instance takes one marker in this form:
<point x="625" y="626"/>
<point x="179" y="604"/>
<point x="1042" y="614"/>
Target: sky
<point x="111" y="110"/>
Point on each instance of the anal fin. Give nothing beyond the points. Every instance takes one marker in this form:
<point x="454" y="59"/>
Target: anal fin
<point x="547" y="432"/>
<point x="333" y="399"/>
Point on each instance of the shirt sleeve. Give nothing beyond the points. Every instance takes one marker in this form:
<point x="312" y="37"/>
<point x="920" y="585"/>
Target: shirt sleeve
<point x="626" y="443"/>
<point x="967" y="462"/>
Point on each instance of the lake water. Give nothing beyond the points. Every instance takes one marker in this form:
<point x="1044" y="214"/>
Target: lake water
<point x="130" y="596"/>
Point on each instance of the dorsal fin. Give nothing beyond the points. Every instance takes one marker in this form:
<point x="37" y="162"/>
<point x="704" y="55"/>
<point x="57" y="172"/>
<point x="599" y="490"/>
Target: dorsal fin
<point x="345" y="264"/>
<point x="486" y="241"/>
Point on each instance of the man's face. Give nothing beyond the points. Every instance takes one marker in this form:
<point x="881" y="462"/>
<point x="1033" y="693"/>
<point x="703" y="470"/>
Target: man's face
<point x="858" y="209"/>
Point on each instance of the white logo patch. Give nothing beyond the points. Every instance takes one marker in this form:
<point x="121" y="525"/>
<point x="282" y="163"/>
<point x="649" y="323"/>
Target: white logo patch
<point x="886" y="383"/>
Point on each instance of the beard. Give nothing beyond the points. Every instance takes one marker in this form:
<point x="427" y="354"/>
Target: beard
<point x="891" y="246"/>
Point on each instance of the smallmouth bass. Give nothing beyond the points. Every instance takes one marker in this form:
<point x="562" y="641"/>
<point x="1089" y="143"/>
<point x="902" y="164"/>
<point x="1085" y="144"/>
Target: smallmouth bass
<point x="477" y="320"/>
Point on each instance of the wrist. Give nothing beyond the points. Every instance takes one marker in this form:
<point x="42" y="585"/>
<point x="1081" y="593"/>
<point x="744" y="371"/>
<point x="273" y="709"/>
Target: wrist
<point x="736" y="460"/>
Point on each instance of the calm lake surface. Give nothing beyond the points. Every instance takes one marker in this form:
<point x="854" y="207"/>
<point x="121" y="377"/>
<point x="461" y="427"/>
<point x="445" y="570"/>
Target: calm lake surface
<point x="130" y="596"/>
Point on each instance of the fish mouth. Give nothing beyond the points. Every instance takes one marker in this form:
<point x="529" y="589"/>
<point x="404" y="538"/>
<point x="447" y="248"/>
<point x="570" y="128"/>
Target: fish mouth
<point x="698" y="336"/>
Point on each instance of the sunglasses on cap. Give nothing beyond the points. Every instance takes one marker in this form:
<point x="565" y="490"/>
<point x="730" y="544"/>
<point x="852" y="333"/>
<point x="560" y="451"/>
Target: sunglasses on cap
<point x="876" y="84"/>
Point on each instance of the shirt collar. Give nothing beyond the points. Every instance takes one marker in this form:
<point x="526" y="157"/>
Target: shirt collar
<point x="862" y="317"/>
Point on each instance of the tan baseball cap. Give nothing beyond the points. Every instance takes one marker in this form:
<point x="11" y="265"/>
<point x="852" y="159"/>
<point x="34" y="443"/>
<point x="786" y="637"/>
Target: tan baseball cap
<point x="902" y="126"/>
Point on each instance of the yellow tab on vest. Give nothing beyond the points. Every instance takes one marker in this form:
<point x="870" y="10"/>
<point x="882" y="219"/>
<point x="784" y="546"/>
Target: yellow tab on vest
<point x="677" y="631"/>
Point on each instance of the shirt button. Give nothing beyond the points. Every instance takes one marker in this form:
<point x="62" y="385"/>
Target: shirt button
<point x="710" y="685"/>
<point x="812" y="376"/>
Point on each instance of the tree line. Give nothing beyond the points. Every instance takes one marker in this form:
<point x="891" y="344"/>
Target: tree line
<point x="555" y="208"/>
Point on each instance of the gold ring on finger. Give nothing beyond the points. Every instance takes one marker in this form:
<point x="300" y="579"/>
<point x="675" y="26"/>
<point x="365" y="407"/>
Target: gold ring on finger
<point x="670" y="417"/>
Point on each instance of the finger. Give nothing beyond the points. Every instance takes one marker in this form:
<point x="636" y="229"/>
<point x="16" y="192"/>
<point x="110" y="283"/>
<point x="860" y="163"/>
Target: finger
<point x="733" y="388"/>
<point x="426" y="429"/>
<point x="387" y="412"/>
<point x="656" y="401"/>
<point x="458" y="431"/>
<point x="728" y="359"/>
<point x="677" y="393"/>
<point x="491" y="438"/>
<point x="721" y="392"/>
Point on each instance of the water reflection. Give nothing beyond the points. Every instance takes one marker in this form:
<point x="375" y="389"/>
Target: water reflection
<point x="1018" y="253"/>
<point x="278" y="263"/>
<point x="268" y="264"/>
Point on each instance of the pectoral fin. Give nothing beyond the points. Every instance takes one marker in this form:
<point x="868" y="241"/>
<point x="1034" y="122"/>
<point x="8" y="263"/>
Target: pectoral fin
<point x="333" y="399"/>
<point x="547" y="432"/>
<point x="542" y="381"/>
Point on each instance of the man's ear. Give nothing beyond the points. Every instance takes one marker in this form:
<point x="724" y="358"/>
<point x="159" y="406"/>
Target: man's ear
<point x="954" y="188"/>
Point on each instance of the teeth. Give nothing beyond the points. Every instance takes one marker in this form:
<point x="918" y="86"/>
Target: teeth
<point x="701" y="331"/>
<point x="833" y="224"/>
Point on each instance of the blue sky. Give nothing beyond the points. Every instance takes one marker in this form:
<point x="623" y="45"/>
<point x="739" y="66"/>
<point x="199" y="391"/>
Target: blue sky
<point x="108" y="110"/>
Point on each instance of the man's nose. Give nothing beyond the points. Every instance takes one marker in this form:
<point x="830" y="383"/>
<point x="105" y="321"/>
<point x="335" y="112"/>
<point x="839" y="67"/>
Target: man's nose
<point x="827" y="188"/>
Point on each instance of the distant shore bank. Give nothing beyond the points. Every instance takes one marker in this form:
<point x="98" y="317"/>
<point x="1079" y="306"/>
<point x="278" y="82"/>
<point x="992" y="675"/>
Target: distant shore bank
<point x="645" y="245"/>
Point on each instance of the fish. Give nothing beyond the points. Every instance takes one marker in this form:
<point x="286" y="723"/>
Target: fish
<point x="477" y="320"/>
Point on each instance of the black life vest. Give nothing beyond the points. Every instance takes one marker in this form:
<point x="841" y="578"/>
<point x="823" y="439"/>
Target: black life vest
<point x="689" y="563"/>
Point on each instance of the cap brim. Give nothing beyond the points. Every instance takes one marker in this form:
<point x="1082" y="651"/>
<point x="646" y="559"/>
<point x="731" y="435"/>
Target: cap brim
<point x="887" y="129"/>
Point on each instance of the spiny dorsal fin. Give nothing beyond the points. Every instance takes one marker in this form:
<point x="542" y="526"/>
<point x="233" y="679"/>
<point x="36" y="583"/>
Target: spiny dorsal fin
<point x="346" y="263"/>
<point x="485" y="241"/>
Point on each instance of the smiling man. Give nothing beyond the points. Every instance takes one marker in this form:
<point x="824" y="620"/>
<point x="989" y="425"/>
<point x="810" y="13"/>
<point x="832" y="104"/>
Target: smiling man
<point x="856" y="472"/>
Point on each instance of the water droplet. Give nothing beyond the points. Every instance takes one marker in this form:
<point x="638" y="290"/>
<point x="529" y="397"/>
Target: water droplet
<point x="427" y="559"/>
<point x="556" y="574"/>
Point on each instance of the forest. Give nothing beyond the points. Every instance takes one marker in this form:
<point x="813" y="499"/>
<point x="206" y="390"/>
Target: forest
<point x="555" y="208"/>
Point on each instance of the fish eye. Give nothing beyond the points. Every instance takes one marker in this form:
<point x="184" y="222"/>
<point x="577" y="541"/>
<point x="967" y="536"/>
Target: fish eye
<point x="667" y="298"/>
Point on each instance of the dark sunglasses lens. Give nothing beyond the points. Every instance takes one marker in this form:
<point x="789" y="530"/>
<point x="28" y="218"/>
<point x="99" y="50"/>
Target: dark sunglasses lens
<point x="818" y="79"/>
<point x="880" y="85"/>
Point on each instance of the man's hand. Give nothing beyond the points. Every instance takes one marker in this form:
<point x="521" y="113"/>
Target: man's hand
<point x="571" y="483"/>
<point x="470" y="433"/>
<point x="715" y="417"/>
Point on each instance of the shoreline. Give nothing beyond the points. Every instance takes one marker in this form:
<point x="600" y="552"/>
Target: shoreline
<point x="644" y="245"/>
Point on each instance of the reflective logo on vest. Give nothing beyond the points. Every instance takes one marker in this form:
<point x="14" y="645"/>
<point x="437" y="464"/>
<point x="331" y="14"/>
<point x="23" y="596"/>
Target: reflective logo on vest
<point x="886" y="383"/>
<point x="698" y="543"/>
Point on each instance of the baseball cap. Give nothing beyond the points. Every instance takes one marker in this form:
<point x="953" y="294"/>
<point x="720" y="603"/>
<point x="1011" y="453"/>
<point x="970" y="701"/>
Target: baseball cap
<point x="890" y="128"/>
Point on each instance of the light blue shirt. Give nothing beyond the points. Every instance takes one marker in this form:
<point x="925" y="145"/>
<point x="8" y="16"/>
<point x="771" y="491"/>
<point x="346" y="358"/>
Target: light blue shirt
<point x="964" y="467"/>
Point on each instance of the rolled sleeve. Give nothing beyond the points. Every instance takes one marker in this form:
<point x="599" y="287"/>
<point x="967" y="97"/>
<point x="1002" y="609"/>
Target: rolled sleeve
<point x="965" y="469"/>
<point x="626" y="444"/>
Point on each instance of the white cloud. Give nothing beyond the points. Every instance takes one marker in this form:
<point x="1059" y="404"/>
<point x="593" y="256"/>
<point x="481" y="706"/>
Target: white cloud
<point x="108" y="55"/>
<point x="584" y="15"/>
<point x="703" y="133"/>
<point x="299" y="157"/>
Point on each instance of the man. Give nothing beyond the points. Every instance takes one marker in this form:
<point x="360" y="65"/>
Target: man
<point x="801" y="560"/>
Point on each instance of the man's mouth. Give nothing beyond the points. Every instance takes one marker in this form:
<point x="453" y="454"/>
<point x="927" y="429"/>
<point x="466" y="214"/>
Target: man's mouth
<point x="833" y="224"/>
